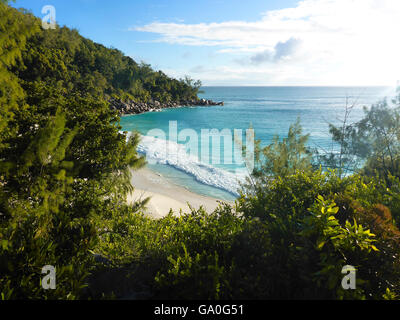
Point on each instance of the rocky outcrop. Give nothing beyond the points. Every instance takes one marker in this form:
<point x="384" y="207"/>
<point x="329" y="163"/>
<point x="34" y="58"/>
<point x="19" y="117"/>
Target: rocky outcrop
<point x="132" y="107"/>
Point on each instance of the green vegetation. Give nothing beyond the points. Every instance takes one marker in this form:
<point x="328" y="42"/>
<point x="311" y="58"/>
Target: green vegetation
<point x="290" y="241"/>
<point x="372" y="143"/>
<point x="65" y="172"/>
<point x="63" y="161"/>
<point x="63" y="59"/>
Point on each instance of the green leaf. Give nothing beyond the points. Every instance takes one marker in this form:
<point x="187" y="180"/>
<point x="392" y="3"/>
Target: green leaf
<point x="4" y="244"/>
<point x="321" y="245"/>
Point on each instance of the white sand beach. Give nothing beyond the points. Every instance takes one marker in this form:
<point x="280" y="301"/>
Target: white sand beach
<point x="165" y="195"/>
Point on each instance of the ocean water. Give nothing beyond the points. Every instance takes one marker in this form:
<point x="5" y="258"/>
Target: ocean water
<point x="213" y="167"/>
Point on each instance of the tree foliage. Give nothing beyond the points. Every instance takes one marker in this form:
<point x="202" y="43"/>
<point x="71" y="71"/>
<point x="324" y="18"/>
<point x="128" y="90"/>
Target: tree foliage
<point x="64" y="161"/>
<point x="15" y="28"/>
<point x="281" y="158"/>
<point x="64" y="58"/>
<point x="371" y="144"/>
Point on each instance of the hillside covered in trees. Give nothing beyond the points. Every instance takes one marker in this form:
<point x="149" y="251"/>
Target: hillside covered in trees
<point x="62" y="58"/>
<point x="65" y="175"/>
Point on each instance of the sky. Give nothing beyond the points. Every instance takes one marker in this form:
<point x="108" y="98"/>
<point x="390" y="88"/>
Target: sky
<point x="246" y="42"/>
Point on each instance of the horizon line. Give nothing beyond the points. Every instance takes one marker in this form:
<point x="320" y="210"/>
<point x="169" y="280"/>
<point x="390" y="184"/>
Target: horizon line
<point x="301" y="86"/>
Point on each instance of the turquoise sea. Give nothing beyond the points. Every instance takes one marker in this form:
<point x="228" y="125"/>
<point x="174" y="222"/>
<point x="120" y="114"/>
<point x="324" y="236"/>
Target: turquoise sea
<point x="268" y="110"/>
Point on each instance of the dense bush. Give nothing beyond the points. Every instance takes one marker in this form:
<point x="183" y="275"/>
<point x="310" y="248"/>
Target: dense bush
<point x="288" y="242"/>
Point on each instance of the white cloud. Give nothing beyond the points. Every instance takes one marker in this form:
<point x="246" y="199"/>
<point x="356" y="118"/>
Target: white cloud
<point x="342" y="41"/>
<point x="282" y="51"/>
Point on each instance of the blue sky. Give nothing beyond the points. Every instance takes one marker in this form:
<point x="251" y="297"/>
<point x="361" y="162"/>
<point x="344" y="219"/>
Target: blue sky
<point x="253" y="42"/>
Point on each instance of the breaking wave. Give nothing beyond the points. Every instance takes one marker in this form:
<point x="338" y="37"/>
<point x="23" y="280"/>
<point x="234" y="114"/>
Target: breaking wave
<point x="170" y="153"/>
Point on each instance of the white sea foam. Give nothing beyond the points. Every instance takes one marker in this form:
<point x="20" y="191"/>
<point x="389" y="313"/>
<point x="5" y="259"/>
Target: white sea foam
<point x="173" y="154"/>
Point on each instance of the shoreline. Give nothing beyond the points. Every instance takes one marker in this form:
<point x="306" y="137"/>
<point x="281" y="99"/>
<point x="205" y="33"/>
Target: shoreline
<point x="166" y="195"/>
<point x="131" y="107"/>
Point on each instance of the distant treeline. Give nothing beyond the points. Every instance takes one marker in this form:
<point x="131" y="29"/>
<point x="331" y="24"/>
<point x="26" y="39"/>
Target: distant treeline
<point x="62" y="57"/>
